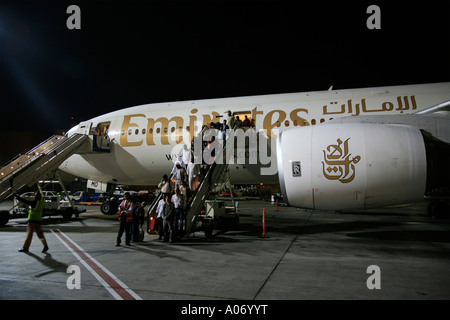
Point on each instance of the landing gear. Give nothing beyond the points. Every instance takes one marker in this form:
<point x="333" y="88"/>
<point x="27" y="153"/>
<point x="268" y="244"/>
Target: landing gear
<point x="108" y="208"/>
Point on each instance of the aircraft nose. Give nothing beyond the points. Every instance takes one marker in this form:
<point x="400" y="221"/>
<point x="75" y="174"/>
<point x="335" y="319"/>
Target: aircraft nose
<point x="72" y="131"/>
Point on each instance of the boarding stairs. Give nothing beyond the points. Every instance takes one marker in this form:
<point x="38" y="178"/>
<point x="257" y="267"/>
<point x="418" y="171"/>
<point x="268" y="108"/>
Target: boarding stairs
<point x="151" y="211"/>
<point x="38" y="163"/>
<point x="216" y="172"/>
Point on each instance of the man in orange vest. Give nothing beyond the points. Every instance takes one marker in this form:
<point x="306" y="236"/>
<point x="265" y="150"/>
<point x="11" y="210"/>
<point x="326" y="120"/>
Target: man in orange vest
<point x="124" y="208"/>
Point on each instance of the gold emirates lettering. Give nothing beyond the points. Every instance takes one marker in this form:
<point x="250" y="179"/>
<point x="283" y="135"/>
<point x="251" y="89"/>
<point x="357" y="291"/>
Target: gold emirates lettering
<point x="270" y="120"/>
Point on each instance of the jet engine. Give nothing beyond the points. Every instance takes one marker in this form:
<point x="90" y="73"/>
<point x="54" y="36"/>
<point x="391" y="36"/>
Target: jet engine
<point x="351" y="166"/>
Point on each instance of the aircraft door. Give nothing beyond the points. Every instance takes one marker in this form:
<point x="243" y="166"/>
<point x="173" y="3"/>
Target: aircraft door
<point x="102" y="143"/>
<point x="102" y="129"/>
<point x="84" y="127"/>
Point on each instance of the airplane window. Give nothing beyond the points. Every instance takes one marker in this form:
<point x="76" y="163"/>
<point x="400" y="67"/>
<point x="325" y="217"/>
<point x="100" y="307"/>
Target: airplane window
<point x="278" y="124"/>
<point x="129" y="132"/>
<point x="136" y="131"/>
<point x="295" y="123"/>
<point x="123" y="132"/>
<point x="172" y="129"/>
<point x="165" y="130"/>
<point x="150" y="131"/>
<point x="143" y="131"/>
<point x="188" y="128"/>
<point x="322" y="120"/>
<point x="286" y="123"/>
<point x="313" y="121"/>
<point x="158" y="130"/>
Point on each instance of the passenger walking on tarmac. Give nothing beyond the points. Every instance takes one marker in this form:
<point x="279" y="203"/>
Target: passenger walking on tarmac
<point x="159" y="219"/>
<point x="138" y="218"/>
<point x="141" y="213"/>
<point x="168" y="213"/>
<point x="141" y="218"/>
<point x="129" y="225"/>
<point x="34" y="221"/>
<point x="124" y="207"/>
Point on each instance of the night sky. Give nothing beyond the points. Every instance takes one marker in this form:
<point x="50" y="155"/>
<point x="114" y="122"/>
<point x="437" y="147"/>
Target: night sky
<point x="136" y="52"/>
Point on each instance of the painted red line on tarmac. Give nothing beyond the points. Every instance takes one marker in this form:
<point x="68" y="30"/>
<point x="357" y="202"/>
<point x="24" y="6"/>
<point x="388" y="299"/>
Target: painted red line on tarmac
<point x="112" y="283"/>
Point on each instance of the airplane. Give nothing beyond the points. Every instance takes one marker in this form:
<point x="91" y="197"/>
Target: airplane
<point x="337" y="150"/>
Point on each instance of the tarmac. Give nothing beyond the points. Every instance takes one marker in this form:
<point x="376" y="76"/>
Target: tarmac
<point x="388" y="254"/>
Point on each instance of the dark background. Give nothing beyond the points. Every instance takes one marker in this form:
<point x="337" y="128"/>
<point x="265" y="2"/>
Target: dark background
<point x="136" y="52"/>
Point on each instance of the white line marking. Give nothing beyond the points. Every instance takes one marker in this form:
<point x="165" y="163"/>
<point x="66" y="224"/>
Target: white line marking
<point x="116" y="287"/>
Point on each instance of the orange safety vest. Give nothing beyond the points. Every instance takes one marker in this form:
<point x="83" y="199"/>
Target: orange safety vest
<point x="129" y="217"/>
<point x="124" y="206"/>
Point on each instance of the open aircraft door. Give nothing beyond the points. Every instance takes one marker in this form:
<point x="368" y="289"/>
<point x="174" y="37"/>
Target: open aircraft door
<point x="84" y="127"/>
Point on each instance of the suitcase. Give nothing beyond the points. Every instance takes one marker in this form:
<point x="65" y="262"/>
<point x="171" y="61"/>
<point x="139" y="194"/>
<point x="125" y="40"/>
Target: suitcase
<point x="141" y="234"/>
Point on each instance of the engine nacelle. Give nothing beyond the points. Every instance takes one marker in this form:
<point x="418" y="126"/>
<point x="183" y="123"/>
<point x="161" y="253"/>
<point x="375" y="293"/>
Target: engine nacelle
<point x="351" y="166"/>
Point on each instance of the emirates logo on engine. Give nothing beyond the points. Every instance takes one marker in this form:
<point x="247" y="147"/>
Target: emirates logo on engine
<point x="338" y="163"/>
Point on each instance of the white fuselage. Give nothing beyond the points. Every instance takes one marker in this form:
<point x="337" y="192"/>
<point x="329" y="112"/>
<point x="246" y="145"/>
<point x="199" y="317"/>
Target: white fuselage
<point x="146" y="139"/>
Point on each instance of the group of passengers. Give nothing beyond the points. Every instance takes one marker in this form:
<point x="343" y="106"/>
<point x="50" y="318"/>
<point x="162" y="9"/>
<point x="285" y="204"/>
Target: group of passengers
<point x="222" y="134"/>
<point x="232" y="123"/>
<point x="237" y="123"/>
<point x="176" y="194"/>
<point x="177" y="191"/>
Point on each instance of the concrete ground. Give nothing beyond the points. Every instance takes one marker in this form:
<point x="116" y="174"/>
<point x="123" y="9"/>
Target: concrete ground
<point x="401" y="252"/>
